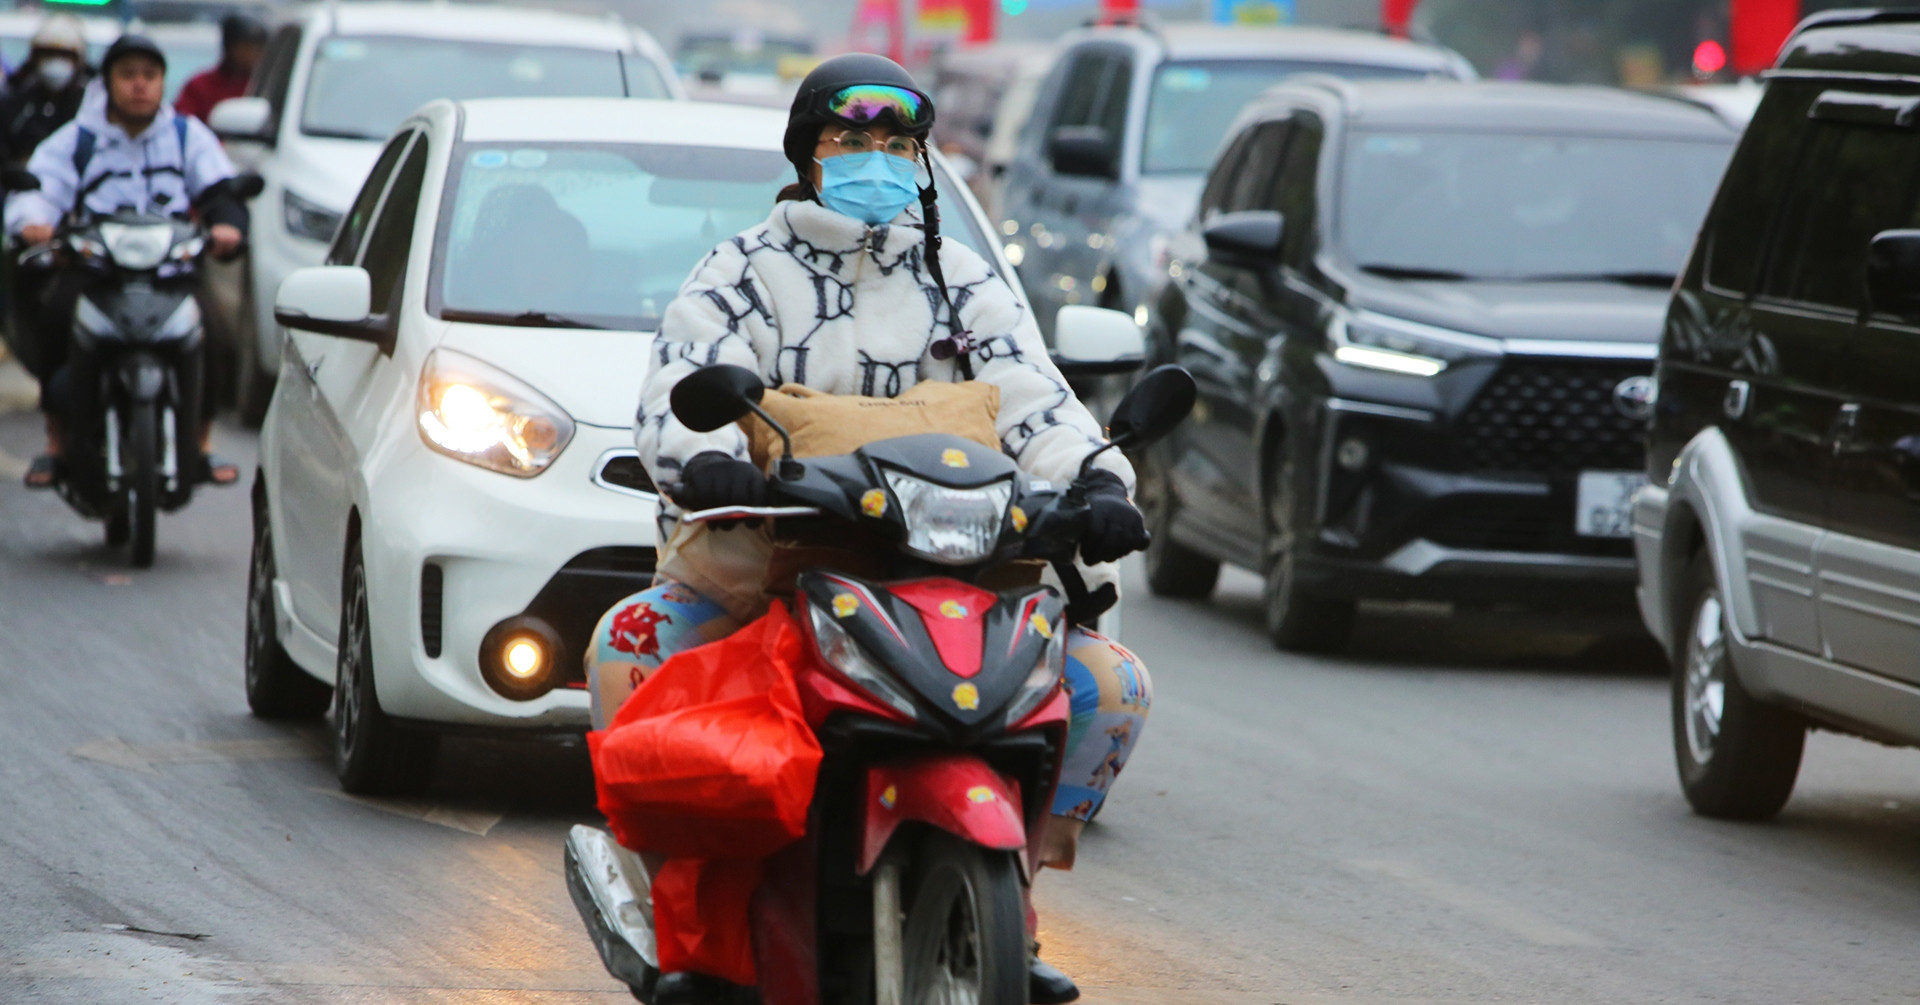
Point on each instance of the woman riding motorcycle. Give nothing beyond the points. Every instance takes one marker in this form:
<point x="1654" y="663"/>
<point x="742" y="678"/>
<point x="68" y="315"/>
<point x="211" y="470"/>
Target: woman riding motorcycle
<point x="848" y="289"/>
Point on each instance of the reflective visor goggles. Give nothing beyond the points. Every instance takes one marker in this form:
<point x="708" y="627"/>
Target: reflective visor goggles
<point x="865" y="104"/>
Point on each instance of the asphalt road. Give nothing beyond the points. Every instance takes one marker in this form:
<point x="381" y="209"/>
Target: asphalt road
<point x="1449" y="814"/>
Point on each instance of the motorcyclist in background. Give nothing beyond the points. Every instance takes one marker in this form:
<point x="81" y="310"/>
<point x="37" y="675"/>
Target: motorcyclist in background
<point x="44" y="93"/>
<point x="243" y="39"/>
<point x="847" y="289"/>
<point x="125" y="149"/>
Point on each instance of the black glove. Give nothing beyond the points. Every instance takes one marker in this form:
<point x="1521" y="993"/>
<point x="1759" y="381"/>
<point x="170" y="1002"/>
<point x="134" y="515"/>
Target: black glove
<point x="1114" y="527"/>
<point x="714" y="479"/>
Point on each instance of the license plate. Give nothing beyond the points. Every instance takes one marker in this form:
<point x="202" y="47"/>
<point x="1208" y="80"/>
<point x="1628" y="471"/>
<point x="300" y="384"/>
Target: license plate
<point x="1605" y="506"/>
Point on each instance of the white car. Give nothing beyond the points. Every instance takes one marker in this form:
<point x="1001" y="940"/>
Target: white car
<point x="337" y="78"/>
<point x="448" y="496"/>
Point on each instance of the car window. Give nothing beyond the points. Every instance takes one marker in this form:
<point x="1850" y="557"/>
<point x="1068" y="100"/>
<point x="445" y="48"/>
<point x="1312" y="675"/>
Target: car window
<point x="604" y="234"/>
<point x="1191" y="105"/>
<point x="1523" y="206"/>
<point x="1257" y="176"/>
<point x="643" y="77"/>
<point x="361" y="87"/>
<point x="1753" y="187"/>
<point x="276" y="70"/>
<point x="1296" y="194"/>
<point x="1226" y="174"/>
<point x="1853" y="182"/>
<point x="1085" y="77"/>
<point x="392" y="238"/>
<point x="353" y="227"/>
<point x="1110" y="112"/>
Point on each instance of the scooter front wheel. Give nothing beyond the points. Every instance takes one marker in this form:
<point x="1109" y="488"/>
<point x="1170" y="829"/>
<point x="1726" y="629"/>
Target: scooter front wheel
<point x="140" y="458"/>
<point x="965" y="939"/>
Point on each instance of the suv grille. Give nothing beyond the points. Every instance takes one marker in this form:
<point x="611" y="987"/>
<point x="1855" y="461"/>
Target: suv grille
<point x="1554" y="417"/>
<point x="1531" y="525"/>
<point x="624" y="471"/>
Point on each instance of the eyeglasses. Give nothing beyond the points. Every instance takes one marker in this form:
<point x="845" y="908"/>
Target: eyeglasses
<point x="853" y="141"/>
<point x="865" y="104"/>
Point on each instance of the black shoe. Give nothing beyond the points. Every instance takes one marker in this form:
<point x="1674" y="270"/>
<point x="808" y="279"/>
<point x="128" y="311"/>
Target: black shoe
<point x="699" y="989"/>
<point x="1046" y="985"/>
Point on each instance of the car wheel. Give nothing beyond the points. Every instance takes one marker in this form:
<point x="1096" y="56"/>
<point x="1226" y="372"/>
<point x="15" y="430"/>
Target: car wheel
<point x="253" y="383"/>
<point x="1738" y="757"/>
<point x="1173" y="570"/>
<point x="1297" y="620"/>
<point x="372" y="754"/>
<point x="276" y="686"/>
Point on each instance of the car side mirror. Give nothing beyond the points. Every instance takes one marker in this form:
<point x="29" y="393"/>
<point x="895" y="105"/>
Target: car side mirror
<point x="1248" y="239"/>
<point x="714" y="396"/>
<point x="1156" y="405"/>
<point x="1893" y="272"/>
<point x="1094" y="342"/>
<point x="332" y="300"/>
<point x="1083" y="150"/>
<point x="248" y="118"/>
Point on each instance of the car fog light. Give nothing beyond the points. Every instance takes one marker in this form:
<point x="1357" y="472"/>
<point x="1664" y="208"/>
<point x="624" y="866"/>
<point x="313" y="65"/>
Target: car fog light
<point x="1353" y="454"/>
<point x="520" y="658"/>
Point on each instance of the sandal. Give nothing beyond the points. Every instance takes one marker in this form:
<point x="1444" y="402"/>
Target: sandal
<point x="220" y="471"/>
<point x="42" y="472"/>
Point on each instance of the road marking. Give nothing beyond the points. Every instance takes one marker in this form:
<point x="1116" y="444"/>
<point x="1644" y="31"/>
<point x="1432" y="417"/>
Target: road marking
<point x="475" y="822"/>
<point x="142" y="757"/>
<point x="1492" y="910"/>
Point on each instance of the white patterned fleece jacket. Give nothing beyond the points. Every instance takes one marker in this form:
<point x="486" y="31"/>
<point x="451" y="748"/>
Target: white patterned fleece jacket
<point x="817" y="298"/>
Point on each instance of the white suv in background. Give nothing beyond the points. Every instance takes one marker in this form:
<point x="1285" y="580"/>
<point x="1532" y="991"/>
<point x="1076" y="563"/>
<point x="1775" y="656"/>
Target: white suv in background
<point x="337" y="79"/>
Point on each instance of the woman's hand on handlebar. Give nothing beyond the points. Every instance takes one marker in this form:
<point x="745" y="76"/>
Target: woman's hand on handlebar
<point x="714" y="479"/>
<point x="223" y="240"/>
<point x="1115" y="527"/>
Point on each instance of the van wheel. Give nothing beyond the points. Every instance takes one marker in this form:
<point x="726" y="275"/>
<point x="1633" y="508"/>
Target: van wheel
<point x="1296" y="620"/>
<point x="1738" y="757"/>
<point x="1173" y="570"/>
<point x="372" y="754"/>
<point x="276" y="686"/>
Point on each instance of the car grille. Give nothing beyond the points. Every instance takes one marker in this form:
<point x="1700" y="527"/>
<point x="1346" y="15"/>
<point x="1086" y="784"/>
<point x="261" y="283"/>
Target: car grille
<point x="1543" y="524"/>
<point x="431" y="586"/>
<point x="1553" y="417"/>
<point x="623" y="470"/>
<point x="583" y="590"/>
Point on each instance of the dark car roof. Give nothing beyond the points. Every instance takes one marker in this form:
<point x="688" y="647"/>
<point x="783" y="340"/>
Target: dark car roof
<point x="1886" y="41"/>
<point x="1514" y="107"/>
<point x="1320" y="45"/>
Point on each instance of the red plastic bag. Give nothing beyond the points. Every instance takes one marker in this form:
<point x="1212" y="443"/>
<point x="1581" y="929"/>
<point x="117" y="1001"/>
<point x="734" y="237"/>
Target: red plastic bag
<point x="712" y="757"/>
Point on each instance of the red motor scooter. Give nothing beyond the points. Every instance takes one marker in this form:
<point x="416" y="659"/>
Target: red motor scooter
<point x="938" y="706"/>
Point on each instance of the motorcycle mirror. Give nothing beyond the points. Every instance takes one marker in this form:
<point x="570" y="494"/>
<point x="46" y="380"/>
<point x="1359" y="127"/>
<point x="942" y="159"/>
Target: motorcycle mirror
<point x="1157" y="404"/>
<point x="714" y="396"/>
<point x="249" y="185"/>
<point x="19" y="180"/>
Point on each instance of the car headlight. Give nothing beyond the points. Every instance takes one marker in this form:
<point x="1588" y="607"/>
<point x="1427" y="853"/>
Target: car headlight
<point x="950" y="526"/>
<point x="1040" y="682"/>
<point x="1376" y="342"/>
<point x="137" y="246"/>
<point x="844" y="654"/>
<point x="309" y="219"/>
<point x="482" y="415"/>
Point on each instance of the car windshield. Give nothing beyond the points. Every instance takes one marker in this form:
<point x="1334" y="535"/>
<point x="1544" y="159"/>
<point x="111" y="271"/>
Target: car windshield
<point x="1445" y="205"/>
<point x="601" y="235"/>
<point x="1193" y="103"/>
<point x="747" y="53"/>
<point x="362" y="87"/>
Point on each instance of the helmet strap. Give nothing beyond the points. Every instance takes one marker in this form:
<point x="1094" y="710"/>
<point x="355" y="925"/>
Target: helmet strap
<point x="961" y="340"/>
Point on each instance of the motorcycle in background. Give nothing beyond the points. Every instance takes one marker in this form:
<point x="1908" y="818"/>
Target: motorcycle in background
<point x="937" y="703"/>
<point x="139" y="327"/>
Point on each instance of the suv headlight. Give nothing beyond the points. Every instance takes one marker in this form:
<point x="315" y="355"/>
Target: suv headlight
<point x="309" y="219"/>
<point x="1040" y="682"/>
<point x="1377" y="342"/>
<point x="482" y="415"/>
<point x="950" y="526"/>
<point x="138" y="247"/>
<point x="844" y="654"/>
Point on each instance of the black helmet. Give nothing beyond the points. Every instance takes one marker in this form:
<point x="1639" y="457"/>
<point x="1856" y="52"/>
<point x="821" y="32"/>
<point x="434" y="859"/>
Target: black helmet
<point x="241" y="29"/>
<point x="821" y="101"/>
<point x="130" y="45"/>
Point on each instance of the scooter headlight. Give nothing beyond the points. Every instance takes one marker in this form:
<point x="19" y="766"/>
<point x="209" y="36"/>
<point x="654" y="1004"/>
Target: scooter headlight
<point x="484" y="416"/>
<point x="1041" y="681"/>
<point x="950" y="526"/>
<point x="137" y="246"/>
<point x="844" y="654"/>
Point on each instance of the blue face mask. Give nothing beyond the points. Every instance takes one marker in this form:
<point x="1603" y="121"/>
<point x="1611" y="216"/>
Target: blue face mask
<point x="872" y="187"/>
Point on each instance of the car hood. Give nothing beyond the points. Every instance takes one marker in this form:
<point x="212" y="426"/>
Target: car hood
<point x="1561" y="311"/>
<point x="594" y="375"/>
<point x="1167" y="202"/>
<point x="329" y="171"/>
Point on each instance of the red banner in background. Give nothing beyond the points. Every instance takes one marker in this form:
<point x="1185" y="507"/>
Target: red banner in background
<point x="1395" y="16"/>
<point x="1760" y="28"/>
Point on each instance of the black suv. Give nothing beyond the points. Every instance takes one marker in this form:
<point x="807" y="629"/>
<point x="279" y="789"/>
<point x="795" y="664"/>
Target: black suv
<point x="1780" y="543"/>
<point x="1111" y="161"/>
<point x="1423" y="318"/>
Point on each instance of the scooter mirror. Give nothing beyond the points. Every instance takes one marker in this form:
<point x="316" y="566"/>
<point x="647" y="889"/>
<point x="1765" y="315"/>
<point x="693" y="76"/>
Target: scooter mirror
<point x="1157" y="404"/>
<point x="249" y="185"/>
<point x="714" y="396"/>
<point x="19" y="180"/>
